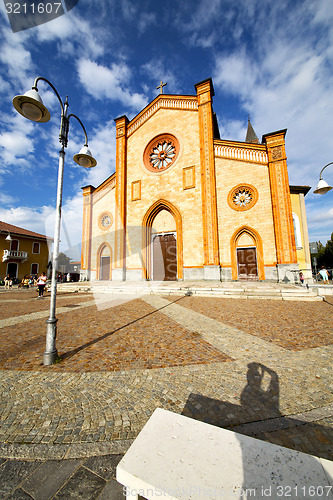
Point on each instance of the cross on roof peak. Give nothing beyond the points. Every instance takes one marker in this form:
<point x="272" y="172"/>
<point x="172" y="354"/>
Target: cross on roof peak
<point x="160" y="86"/>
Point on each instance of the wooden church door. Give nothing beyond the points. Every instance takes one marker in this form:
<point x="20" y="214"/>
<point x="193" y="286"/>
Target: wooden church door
<point x="247" y="263"/>
<point x="164" y="257"/>
<point x="105" y="268"/>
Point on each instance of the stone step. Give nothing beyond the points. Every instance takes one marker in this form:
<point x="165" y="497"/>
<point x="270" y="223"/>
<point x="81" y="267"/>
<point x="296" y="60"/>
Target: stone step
<point x="237" y="290"/>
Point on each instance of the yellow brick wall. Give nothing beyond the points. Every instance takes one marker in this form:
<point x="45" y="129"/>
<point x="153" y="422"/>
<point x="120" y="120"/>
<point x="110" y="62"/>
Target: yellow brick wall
<point x="168" y="184"/>
<point x="230" y="173"/>
<point x="164" y="222"/>
<point x="303" y="256"/>
<point x="104" y="203"/>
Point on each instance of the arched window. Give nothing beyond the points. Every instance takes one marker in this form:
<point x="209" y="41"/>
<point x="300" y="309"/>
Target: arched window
<point x="297" y="231"/>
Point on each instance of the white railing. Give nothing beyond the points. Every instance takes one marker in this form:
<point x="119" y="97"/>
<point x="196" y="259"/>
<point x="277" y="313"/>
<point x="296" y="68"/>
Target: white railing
<point x="243" y="154"/>
<point x="14" y="254"/>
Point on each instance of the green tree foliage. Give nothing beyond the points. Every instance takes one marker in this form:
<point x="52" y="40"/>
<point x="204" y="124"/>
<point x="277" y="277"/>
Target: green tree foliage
<point x="325" y="254"/>
<point x="63" y="260"/>
<point x="329" y="253"/>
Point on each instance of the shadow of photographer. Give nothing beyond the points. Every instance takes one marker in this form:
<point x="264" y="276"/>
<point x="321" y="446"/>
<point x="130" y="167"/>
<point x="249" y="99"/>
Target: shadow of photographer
<point x="259" y="469"/>
<point x="259" y="415"/>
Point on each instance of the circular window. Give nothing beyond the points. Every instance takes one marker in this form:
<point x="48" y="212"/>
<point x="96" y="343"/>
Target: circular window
<point x="105" y="221"/>
<point x="242" y="197"/>
<point x="161" y="153"/>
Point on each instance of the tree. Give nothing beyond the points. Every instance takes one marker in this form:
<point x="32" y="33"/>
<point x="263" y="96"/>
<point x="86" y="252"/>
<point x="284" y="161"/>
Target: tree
<point x="63" y="262"/>
<point x="328" y="256"/>
<point x="325" y="254"/>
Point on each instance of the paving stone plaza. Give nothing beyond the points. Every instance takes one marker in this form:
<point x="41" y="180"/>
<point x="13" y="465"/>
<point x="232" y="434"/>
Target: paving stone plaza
<point x="259" y="366"/>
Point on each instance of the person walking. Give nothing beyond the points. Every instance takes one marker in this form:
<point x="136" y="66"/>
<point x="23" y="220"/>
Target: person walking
<point x="41" y="282"/>
<point x="324" y="274"/>
<point x="8" y="282"/>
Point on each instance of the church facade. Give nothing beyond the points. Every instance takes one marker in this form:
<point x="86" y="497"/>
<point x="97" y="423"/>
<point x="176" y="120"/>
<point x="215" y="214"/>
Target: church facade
<point x="184" y="204"/>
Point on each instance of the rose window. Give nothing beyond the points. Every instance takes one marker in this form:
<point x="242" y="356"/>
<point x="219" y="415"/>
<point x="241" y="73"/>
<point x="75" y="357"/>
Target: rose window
<point x="243" y="197"/>
<point x="105" y="221"/>
<point x="161" y="153"/>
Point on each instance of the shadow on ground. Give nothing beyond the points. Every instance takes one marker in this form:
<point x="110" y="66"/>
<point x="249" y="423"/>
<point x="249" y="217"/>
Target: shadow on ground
<point x="259" y="415"/>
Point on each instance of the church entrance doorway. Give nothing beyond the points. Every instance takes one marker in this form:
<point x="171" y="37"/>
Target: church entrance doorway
<point x="105" y="268"/>
<point x="164" y="257"/>
<point x="247" y="263"/>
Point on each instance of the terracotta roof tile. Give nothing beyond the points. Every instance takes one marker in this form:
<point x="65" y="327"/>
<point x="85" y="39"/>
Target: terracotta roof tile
<point x="20" y="231"/>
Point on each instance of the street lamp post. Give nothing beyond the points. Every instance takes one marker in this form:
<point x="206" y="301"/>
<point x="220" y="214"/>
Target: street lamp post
<point x="322" y="186"/>
<point x="30" y="105"/>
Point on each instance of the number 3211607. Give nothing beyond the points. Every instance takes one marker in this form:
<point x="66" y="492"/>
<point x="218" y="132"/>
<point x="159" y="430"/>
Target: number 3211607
<point x="32" y="8"/>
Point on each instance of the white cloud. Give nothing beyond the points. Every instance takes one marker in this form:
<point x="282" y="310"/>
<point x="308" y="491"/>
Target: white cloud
<point x="234" y="130"/>
<point x="15" y="144"/>
<point x="320" y="217"/>
<point x="146" y="20"/>
<point x="134" y="13"/>
<point x="42" y="219"/>
<point x="286" y="87"/>
<point x="102" y="143"/>
<point x="14" y="140"/>
<point x="103" y="82"/>
<point x="61" y="30"/>
<point x="29" y="218"/>
<point x="71" y="225"/>
<point x="200" y="15"/>
<point x="16" y="58"/>
<point x="6" y="199"/>
<point x="159" y="67"/>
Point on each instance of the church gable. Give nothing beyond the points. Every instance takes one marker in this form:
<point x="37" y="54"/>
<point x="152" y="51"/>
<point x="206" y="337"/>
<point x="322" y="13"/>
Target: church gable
<point x="164" y="136"/>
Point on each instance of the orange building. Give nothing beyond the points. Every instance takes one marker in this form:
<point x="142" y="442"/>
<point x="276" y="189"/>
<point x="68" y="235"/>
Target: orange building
<point x="185" y="204"/>
<point x="23" y="252"/>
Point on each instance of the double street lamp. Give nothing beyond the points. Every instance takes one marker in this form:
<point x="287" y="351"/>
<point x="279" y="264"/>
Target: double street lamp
<point x="322" y="186"/>
<point x="30" y="105"/>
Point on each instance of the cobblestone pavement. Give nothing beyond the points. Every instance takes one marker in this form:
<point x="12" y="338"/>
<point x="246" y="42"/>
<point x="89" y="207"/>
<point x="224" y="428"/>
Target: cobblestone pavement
<point x="260" y="367"/>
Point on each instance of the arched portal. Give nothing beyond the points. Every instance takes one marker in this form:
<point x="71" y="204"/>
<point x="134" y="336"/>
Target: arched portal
<point x="246" y="249"/>
<point x="163" y="245"/>
<point x="104" y="262"/>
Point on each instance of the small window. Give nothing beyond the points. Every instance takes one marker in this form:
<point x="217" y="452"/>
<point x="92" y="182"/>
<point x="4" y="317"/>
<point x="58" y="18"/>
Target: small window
<point x="35" y="247"/>
<point x="34" y="269"/>
<point x="14" y="245"/>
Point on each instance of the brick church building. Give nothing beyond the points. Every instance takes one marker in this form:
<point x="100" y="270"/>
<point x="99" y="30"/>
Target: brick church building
<point x="185" y="204"/>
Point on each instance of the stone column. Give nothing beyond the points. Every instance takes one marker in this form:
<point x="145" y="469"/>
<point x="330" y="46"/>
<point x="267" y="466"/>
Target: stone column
<point x="205" y="94"/>
<point x="287" y="266"/>
<point x="85" y="273"/>
<point x="119" y="273"/>
<point x="308" y="273"/>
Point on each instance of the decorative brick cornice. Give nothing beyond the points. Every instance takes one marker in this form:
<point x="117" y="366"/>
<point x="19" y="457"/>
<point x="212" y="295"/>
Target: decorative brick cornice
<point x="241" y="152"/>
<point x="187" y="103"/>
<point x="104" y="188"/>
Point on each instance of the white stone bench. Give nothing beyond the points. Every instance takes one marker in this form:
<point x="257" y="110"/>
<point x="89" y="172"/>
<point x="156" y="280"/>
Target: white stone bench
<point x="176" y="457"/>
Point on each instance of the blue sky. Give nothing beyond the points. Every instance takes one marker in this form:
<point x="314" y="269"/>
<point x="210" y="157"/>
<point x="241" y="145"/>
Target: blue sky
<point x="270" y="60"/>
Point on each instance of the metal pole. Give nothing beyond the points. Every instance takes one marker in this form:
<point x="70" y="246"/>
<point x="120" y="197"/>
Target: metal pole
<point x="51" y="352"/>
<point x="331" y="163"/>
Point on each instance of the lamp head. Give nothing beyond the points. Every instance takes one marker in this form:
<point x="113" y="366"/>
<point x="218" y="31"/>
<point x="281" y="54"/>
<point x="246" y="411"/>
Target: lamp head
<point x="85" y="158"/>
<point x="8" y="237"/>
<point x="322" y="187"/>
<point x="30" y="105"/>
